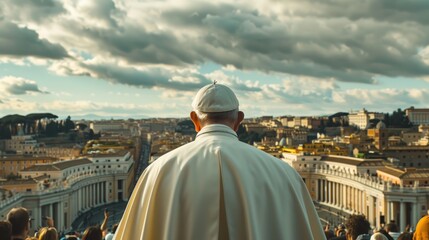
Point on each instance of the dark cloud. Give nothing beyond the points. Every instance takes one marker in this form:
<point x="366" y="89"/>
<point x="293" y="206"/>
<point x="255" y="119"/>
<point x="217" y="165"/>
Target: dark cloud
<point x="139" y="46"/>
<point x="34" y="10"/>
<point x="326" y="45"/>
<point x="349" y="41"/>
<point x="396" y="11"/>
<point x="154" y="77"/>
<point x="23" y="42"/>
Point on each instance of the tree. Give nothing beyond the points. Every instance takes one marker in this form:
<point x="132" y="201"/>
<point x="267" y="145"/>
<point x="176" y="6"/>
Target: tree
<point x="398" y="119"/>
<point x="52" y="129"/>
<point x="68" y="124"/>
<point x="5" y="132"/>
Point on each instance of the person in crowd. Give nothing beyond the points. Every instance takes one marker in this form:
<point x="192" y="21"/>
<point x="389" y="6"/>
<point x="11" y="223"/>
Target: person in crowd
<point x="110" y="235"/>
<point x="20" y="220"/>
<point x="357" y="225"/>
<point x="48" y="233"/>
<point x="405" y="236"/>
<point x="364" y="236"/>
<point x="70" y="236"/>
<point x="393" y="230"/>
<point x="103" y="226"/>
<point x="92" y="233"/>
<point x="341" y="233"/>
<point x="5" y="230"/>
<point x="328" y="232"/>
<point x="378" y="236"/>
<point x="422" y="229"/>
<point x="384" y="232"/>
<point x="341" y="230"/>
<point x="217" y="187"/>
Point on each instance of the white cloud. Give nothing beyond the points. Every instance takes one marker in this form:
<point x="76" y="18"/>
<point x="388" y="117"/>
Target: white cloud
<point x="11" y="85"/>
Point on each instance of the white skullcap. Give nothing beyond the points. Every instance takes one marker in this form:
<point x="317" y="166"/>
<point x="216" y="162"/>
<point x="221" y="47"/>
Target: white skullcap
<point x="215" y="98"/>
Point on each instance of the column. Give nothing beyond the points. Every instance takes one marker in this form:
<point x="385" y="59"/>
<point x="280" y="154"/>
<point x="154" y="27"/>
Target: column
<point x="106" y="191"/>
<point x="357" y="201"/>
<point x="388" y="212"/>
<point x="37" y="216"/>
<point x="371" y="210"/>
<point x="100" y="189"/>
<point x="96" y="193"/>
<point x="328" y="192"/>
<point x="414" y="216"/>
<point x="88" y="203"/>
<point x="103" y="192"/>
<point x="325" y="191"/>
<point x="92" y="195"/>
<point x="346" y="196"/>
<point x="51" y="210"/>
<point x="402" y="221"/>
<point x="60" y="223"/>
<point x="337" y="195"/>
<point x="84" y="197"/>
<point x="334" y="186"/>
<point x="79" y="199"/>
<point x="392" y="212"/>
<point x="377" y="214"/>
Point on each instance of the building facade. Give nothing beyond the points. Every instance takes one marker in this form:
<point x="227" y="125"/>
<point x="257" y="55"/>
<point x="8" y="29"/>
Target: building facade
<point x="417" y="116"/>
<point x="347" y="185"/>
<point x="71" y="188"/>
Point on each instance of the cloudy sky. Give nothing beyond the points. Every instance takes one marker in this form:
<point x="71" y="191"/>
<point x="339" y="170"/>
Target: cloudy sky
<point x="129" y="58"/>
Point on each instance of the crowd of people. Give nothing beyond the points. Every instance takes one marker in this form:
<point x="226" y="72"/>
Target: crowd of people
<point x="17" y="226"/>
<point x="357" y="227"/>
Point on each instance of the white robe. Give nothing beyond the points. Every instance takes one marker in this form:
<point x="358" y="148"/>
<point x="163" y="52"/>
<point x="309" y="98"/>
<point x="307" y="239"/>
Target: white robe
<point x="217" y="187"/>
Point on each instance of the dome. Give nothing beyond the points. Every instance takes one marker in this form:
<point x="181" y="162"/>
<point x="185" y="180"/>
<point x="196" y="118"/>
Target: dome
<point x="380" y="125"/>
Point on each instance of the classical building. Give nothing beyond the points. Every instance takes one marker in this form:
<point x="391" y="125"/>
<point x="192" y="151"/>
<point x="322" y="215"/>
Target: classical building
<point x="361" y="118"/>
<point x="66" y="189"/>
<point x="417" y="116"/>
<point x="12" y="164"/>
<point x="409" y="156"/>
<point x="347" y="185"/>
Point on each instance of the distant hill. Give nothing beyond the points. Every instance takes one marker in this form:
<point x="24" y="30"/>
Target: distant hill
<point x="99" y="117"/>
<point x="339" y="114"/>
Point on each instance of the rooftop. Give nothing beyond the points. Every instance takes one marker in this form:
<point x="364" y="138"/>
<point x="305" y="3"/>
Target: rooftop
<point x="353" y="161"/>
<point x="57" y="166"/>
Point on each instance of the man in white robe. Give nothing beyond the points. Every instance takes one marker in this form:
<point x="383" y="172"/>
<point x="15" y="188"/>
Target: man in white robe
<point x="217" y="187"/>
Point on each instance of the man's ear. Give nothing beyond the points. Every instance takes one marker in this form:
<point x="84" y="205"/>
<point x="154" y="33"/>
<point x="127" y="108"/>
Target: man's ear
<point x="240" y="118"/>
<point x="196" y="121"/>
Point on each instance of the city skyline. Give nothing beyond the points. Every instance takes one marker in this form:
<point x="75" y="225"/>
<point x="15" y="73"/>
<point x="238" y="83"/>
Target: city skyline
<point x="132" y="58"/>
